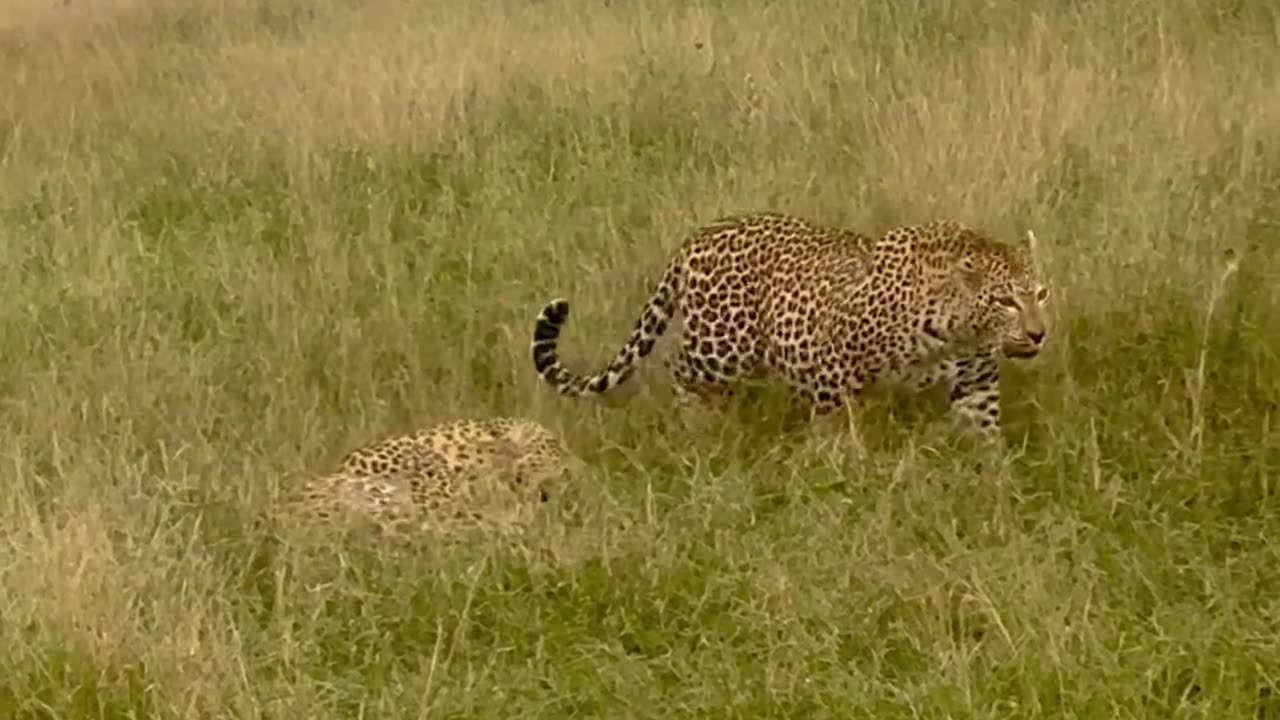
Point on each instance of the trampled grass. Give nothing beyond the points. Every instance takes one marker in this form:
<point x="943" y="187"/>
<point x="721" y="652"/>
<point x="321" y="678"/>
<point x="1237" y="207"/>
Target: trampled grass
<point x="240" y="238"/>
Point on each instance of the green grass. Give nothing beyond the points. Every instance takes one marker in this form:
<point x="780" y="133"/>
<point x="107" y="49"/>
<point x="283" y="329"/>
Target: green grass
<point x="237" y="241"/>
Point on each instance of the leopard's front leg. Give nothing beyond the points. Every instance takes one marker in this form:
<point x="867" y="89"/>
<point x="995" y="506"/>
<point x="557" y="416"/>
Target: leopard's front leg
<point x="975" y="394"/>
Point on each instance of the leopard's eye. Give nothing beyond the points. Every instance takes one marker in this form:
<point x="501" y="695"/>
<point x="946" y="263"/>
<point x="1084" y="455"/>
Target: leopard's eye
<point x="1007" y="301"/>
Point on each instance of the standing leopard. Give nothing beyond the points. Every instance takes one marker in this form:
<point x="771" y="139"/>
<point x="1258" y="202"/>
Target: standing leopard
<point x="461" y="472"/>
<point x="830" y="312"/>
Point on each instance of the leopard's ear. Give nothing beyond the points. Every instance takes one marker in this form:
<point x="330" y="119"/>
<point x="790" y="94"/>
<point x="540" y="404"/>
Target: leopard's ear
<point x="968" y="270"/>
<point x="1026" y="247"/>
<point x="1030" y="247"/>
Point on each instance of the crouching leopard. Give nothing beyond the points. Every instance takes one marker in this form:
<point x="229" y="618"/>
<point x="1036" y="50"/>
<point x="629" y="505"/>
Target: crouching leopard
<point x="831" y="313"/>
<point x="465" y="473"/>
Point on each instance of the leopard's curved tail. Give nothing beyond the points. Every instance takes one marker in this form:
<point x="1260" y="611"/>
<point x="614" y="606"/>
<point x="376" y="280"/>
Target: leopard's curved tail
<point x="657" y="314"/>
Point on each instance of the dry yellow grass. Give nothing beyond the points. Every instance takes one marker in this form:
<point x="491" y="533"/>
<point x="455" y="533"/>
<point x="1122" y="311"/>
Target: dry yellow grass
<point x="238" y="238"/>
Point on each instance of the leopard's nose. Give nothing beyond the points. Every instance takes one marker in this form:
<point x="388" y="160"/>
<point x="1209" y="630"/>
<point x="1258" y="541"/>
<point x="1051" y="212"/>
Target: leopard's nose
<point x="1037" y="336"/>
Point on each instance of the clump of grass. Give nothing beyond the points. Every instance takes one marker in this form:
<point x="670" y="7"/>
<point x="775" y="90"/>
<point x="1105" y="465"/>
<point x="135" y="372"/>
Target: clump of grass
<point x="240" y="238"/>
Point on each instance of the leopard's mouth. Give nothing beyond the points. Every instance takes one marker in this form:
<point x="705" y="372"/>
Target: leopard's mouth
<point x="1021" y="350"/>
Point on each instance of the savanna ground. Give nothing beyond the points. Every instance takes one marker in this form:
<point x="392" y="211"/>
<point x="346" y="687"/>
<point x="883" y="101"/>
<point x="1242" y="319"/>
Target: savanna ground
<point x="240" y="238"/>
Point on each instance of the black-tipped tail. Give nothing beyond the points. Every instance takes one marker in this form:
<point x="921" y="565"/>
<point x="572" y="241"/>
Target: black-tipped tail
<point x="652" y="323"/>
<point x="546" y="338"/>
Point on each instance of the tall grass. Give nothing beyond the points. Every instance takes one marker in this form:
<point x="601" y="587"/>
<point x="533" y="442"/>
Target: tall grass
<point x="240" y="238"/>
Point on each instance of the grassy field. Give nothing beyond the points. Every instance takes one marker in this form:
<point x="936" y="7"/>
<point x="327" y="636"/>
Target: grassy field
<point x="238" y="239"/>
